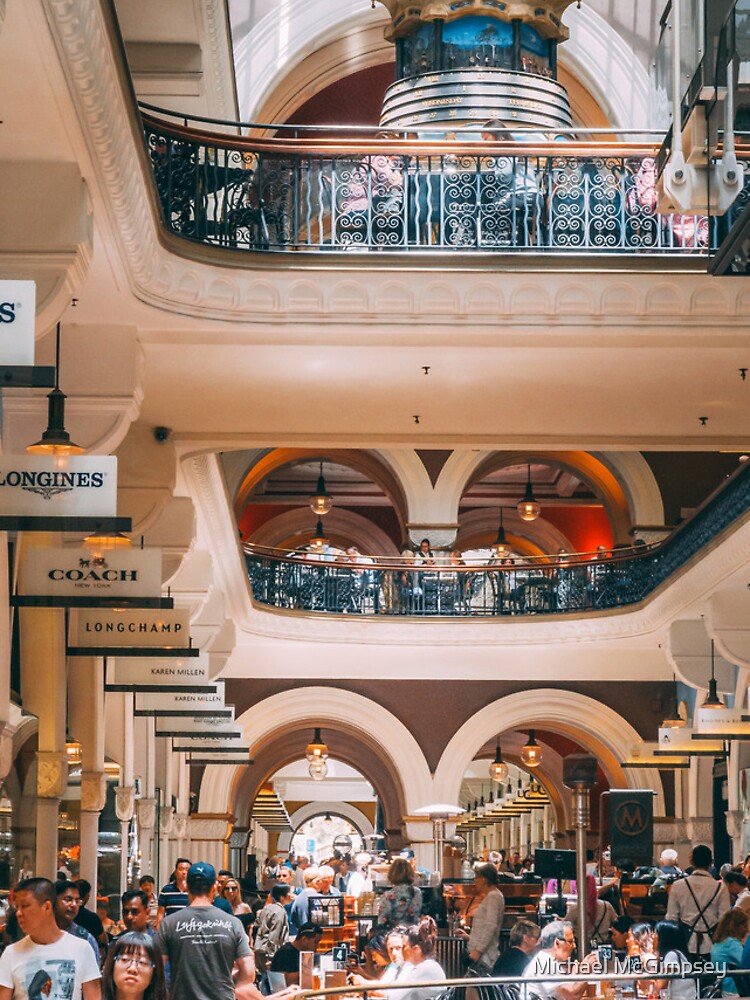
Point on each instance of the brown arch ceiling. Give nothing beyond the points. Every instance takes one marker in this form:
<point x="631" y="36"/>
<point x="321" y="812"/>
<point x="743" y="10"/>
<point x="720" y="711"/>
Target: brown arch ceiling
<point x="286" y="748"/>
<point x="363" y="461"/>
<point x="580" y="463"/>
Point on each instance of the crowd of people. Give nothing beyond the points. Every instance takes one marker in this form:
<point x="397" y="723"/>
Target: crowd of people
<point x="198" y="939"/>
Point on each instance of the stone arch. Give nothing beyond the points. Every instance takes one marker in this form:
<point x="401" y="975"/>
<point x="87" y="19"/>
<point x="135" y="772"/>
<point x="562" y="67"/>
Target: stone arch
<point x="592" y="724"/>
<point x="344" y="525"/>
<point x="340" y="711"/>
<point x="366" y="462"/>
<point x="344" y="809"/>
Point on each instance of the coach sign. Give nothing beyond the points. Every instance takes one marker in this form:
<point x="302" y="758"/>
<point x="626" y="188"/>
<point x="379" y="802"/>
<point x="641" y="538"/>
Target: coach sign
<point x="17" y="322"/>
<point x="116" y="629"/>
<point x="81" y="572"/>
<point x="56" y="486"/>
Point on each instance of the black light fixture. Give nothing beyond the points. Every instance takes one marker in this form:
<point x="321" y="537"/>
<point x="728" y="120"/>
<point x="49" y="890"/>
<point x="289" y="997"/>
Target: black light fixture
<point x="673" y="719"/>
<point x="319" y="540"/>
<point x="712" y="699"/>
<point x="328" y="819"/>
<point x="321" y="501"/>
<point x="531" y="752"/>
<point x="55" y="440"/>
<point x="529" y="507"/>
<point x="316" y="750"/>
<point x="498" y="767"/>
<point x="501" y="547"/>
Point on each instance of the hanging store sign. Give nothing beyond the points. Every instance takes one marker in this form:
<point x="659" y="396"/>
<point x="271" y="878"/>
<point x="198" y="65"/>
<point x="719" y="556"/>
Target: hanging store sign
<point x="720" y="723"/>
<point x="115" y="629"/>
<point x="680" y="742"/>
<point x="153" y="674"/>
<point x="202" y="746"/>
<point x="205" y="760"/>
<point x="58" y="486"/>
<point x="183" y="703"/>
<point x="643" y="755"/>
<point x="631" y="824"/>
<point x="83" y="572"/>
<point x="17" y="322"/>
<point x="211" y="727"/>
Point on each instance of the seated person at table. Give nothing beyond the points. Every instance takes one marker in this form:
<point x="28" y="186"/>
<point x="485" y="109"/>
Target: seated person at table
<point x="729" y="937"/>
<point x="669" y="944"/>
<point x="524" y="941"/>
<point x="420" y="965"/>
<point x="557" y="943"/>
<point x="286" y="959"/>
<point x="384" y="953"/>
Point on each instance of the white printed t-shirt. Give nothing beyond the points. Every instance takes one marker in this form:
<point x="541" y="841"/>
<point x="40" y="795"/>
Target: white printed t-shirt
<point x="48" y="971"/>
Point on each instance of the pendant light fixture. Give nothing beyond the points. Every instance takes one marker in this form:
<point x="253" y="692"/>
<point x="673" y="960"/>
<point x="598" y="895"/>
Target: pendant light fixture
<point x="55" y="440"/>
<point x="531" y="752"/>
<point x="328" y="819"/>
<point x="673" y="719"/>
<point x="318" y="770"/>
<point x="498" y="767"/>
<point x="529" y="507"/>
<point x="317" y="750"/>
<point x="321" y="501"/>
<point x="319" y="540"/>
<point x="501" y="547"/>
<point x="712" y="699"/>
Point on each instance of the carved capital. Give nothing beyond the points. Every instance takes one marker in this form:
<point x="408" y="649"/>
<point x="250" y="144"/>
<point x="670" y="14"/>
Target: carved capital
<point x="180" y="825"/>
<point x="93" y="791"/>
<point x="700" y="830"/>
<point x="146" y="811"/>
<point x="166" y="820"/>
<point x="680" y="831"/>
<point x="6" y="736"/>
<point x="125" y="803"/>
<point x="211" y="826"/>
<point x="51" y="774"/>
<point x="665" y="831"/>
<point x="735" y="822"/>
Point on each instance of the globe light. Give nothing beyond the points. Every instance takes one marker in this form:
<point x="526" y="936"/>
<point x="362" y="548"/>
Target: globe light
<point x="531" y="752"/>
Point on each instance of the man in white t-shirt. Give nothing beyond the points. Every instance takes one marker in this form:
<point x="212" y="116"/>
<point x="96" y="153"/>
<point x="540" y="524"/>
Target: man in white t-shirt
<point x="47" y="964"/>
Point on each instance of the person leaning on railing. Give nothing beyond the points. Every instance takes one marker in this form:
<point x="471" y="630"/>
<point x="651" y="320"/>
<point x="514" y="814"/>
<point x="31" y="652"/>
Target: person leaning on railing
<point x="557" y="943"/>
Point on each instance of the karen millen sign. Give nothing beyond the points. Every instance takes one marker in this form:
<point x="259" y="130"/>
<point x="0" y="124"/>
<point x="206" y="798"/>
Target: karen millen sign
<point x="57" y="486"/>
<point x="115" y="629"/>
<point x="81" y="572"/>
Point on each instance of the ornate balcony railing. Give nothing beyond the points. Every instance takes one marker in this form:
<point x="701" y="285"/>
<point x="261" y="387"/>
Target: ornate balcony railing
<point x="404" y="195"/>
<point x="321" y="582"/>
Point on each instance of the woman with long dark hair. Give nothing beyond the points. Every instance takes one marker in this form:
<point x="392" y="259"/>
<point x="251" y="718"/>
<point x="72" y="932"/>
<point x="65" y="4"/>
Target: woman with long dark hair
<point x="670" y="947"/>
<point x="133" y="970"/>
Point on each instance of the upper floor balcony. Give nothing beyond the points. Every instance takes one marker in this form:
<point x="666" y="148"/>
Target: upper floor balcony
<point x="320" y="191"/>
<point x="431" y="585"/>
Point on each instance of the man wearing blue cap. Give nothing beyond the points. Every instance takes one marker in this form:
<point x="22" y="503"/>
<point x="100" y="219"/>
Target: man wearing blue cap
<point x="203" y="945"/>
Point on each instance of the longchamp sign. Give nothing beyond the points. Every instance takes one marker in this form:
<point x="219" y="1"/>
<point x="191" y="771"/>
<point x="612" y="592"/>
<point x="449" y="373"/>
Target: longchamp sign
<point x="17" y="322"/>
<point x="136" y="629"/>
<point x="81" y="572"/>
<point x="58" y="486"/>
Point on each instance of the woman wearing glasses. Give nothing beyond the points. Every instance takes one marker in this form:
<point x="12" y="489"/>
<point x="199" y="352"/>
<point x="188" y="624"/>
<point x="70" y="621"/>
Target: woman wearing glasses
<point x="133" y="970"/>
<point x="232" y="895"/>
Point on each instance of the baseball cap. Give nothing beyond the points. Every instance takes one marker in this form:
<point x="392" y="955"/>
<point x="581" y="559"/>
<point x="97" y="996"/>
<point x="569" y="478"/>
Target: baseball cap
<point x="201" y="872"/>
<point x="309" y="930"/>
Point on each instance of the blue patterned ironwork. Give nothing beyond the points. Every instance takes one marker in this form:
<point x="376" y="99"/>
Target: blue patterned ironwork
<point x="318" y="582"/>
<point x="239" y="195"/>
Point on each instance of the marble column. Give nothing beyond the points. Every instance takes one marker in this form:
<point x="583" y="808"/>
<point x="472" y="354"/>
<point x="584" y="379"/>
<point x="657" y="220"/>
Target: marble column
<point x="146" y="813"/>
<point x="86" y="722"/>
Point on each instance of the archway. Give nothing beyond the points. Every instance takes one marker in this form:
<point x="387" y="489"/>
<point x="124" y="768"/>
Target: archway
<point x="590" y="723"/>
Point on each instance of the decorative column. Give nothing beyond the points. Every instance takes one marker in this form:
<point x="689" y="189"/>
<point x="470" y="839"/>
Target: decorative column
<point x="86" y="714"/>
<point x="579" y="775"/>
<point x="209" y="836"/>
<point x="125" y="809"/>
<point x="44" y="693"/>
<point x="146" y="813"/>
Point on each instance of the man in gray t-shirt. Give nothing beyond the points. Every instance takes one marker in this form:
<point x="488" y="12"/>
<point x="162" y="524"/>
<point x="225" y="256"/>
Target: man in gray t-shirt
<point x="203" y="945"/>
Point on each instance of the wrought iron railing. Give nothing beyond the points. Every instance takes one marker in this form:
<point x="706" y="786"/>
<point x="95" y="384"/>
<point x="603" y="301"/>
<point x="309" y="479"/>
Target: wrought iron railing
<point x="408" y="194"/>
<point x="323" y="582"/>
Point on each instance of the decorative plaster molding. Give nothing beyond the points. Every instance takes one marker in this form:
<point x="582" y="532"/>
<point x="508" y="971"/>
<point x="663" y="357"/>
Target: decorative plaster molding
<point x="93" y="791"/>
<point x="735" y="822"/>
<point x="180" y="826"/>
<point x="216" y="46"/>
<point x="125" y="803"/>
<point x="146" y="812"/>
<point x="51" y="774"/>
<point x="210" y="826"/>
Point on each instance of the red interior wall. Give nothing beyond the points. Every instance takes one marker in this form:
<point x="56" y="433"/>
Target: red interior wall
<point x="586" y="527"/>
<point x="355" y="100"/>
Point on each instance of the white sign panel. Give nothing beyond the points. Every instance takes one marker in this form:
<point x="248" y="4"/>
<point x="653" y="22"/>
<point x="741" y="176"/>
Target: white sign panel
<point x="182" y="702"/>
<point x="714" y="721"/>
<point x="58" y="485"/>
<point x="210" y="726"/>
<point x="17" y="322"/>
<point x="82" y="572"/>
<point x="197" y="744"/>
<point x="159" y="672"/>
<point x="111" y="628"/>
<point x="217" y="758"/>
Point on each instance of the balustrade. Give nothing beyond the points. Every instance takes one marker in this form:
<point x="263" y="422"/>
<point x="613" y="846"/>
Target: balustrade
<point x="407" y="194"/>
<point x="323" y="582"/>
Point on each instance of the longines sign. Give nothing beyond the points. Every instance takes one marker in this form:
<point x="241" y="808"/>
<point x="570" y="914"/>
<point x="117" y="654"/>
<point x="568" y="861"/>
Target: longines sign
<point x="43" y="486"/>
<point x="81" y="572"/>
<point x="17" y="321"/>
<point x="146" y="673"/>
<point x="115" y="629"/>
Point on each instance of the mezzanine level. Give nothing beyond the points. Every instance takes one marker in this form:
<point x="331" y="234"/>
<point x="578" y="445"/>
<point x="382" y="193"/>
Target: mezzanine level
<point x="326" y="192"/>
<point x="322" y="581"/>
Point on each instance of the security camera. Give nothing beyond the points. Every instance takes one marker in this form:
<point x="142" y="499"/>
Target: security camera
<point x="161" y="434"/>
